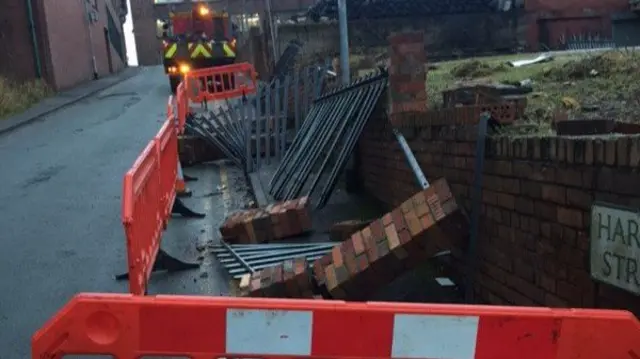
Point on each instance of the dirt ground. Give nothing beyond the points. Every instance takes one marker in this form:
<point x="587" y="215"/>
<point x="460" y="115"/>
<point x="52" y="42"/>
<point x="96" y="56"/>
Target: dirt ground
<point x="585" y="85"/>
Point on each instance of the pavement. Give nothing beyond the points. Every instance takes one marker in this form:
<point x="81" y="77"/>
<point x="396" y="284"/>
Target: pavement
<point x="60" y="199"/>
<point x="65" y="98"/>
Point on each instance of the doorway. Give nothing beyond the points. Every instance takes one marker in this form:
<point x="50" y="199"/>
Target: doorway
<point x="107" y="43"/>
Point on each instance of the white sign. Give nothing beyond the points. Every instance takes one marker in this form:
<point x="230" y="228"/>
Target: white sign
<point x="615" y="246"/>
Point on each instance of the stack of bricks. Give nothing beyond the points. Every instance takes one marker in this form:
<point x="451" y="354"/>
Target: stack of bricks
<point x="290" y="279"/>
<point x="425" y="224"/>
<point x="263" y="225"/>
<point x="407" y="74"/>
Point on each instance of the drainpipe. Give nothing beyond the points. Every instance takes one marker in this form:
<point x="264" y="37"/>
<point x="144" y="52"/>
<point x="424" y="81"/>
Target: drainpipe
<point x="89" y="25"/>
<point x="34" y="39"/>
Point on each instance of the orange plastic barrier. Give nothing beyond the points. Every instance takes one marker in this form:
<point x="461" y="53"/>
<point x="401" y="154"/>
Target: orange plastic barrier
<point x="182" y="106"/>
<point x="170" y="110"/>
<point x="142" y="216"/>
<point x="167" y="147"/>
<point x="221" y="82"/>
<point x="149" y="191"/>
<point x="128" y="327"/>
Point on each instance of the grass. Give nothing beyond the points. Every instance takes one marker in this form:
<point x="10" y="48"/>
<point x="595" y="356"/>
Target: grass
<point x="586" y="85"/>
<point x="15" y="98"/>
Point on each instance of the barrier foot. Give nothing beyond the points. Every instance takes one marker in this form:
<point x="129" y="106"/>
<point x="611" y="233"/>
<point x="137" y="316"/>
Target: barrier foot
<point x="169" y="263"/>
<point x="180" y="208"/>
<point x="188" y="178"/>
<point x="165" y="262"/>
<point x="123" y="276"/>
<point x="183" y="194"/>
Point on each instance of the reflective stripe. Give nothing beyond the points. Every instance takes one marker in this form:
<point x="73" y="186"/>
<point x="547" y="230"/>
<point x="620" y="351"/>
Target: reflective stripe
<point x="199" y="50"/>
<point x="269" y="332"/>
<point x="434" y="336"/>
<point x="228" y="51"/>
<point x="170" y="51"/>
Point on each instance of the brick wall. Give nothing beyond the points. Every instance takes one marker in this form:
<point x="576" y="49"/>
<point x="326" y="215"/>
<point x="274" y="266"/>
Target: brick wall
<point x="537" y="192"/>
<point x="70" y="44"/>
<point x="557" y="18"/>
<point x="63" y="42"/>
<point x="15" y="42"/>
<point x="144" y="29"/>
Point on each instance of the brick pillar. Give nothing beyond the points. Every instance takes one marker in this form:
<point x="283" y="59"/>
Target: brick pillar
<point x="407" y="74"/>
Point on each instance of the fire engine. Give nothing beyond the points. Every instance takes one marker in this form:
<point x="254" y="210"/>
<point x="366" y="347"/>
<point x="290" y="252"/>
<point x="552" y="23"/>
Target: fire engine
<point x="195" y="39"/>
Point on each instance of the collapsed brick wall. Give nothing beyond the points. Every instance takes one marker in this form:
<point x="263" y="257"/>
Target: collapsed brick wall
<point x="537" y="193"/>
<point x="533" y="240"/>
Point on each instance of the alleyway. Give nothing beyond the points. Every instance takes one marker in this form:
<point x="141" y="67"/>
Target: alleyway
<point x="60" y="229"/>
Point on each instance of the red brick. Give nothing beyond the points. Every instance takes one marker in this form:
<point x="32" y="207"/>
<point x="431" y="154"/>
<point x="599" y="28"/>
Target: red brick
<point x="377" y="229"/>
<point x="442" y="189"/>
<point x="398" y="219"/>
<point x="570" y="217"/>
<point x="436" y="208"/>
<point x="358" y="239"/>
<point x="413" y="224"/>
<point x="336" y="256"/>
<point x="387" y="219"/>
<point x="407" y="206"/>
<point x="330" y="275"/>
<point x="554" y="193"/>
<point x="427" y="221"/>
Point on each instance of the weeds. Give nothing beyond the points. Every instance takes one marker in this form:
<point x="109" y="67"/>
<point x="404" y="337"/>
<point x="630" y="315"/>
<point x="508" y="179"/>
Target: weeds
<point x="15" y="98"/>
<point x="592" y="85"/>
<point x="475" y="69"/>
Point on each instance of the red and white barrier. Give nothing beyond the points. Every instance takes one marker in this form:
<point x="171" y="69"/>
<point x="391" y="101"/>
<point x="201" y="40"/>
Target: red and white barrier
<point x="128" y="327"/>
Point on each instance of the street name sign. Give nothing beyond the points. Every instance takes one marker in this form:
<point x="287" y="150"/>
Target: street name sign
<point x="615" y="246"/>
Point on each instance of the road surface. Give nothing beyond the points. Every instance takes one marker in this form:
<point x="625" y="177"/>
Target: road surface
<point x="60" y="229"/>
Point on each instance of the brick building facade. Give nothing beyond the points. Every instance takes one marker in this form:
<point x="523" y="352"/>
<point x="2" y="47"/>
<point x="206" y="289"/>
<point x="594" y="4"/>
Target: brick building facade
<point x="58" y="43"/>
<point x="551" y="22"/>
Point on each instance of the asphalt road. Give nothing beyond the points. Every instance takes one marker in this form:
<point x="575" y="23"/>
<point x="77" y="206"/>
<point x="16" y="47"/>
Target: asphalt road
<point x="60" y="229"/>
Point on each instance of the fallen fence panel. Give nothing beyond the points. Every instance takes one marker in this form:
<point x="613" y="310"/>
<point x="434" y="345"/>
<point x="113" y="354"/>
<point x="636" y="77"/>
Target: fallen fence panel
<point x="326" y="139"/>
<point x="259" y="129"/>
<point x="241" y="259"/>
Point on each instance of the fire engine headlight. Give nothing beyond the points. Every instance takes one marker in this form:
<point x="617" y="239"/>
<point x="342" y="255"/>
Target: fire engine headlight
<point x="203" y="11"/>
<point x="173" y="69"/>
<point x="184" y="68"/>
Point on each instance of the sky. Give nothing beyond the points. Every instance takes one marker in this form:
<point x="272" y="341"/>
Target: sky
<point x="129" y="39"/>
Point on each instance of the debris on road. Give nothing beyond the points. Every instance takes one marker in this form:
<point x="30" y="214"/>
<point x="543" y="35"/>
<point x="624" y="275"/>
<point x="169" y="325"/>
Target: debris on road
<point x="289" y="279"/>
<point x="240" y="259"/>
<point x="376" y="255"/>
<point x="264" y="225"/>
<point x="403" y="238"/>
